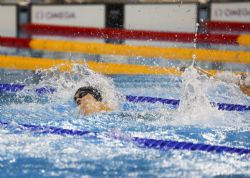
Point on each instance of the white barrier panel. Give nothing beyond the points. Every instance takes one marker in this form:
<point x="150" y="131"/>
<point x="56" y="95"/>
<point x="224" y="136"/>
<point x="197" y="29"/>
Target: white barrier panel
<point x="233" y="12"/>
<point x="8" y="20"/>
<point x="71" y="15"/>
<point x="161" y="17"/>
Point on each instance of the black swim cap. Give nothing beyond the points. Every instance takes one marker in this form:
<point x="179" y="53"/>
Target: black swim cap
<point x="83" y="91"/>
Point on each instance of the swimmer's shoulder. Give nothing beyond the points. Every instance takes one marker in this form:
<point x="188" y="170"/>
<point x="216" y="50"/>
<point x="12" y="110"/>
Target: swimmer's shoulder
<point x="245" y="89"/>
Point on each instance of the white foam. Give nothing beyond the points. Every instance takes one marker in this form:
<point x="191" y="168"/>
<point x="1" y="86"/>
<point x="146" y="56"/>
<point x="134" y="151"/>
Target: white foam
<point x="228" y="77"/>
<point x="195" y="108"/>
<point x="66" y="84"/>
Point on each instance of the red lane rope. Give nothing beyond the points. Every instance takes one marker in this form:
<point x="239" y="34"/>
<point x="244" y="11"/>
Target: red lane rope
<point x="14" y="42"/>
<point x="110" y="33"/>
<point x="227" y="26"/>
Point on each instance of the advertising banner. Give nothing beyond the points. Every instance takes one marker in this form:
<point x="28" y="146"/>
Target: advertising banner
<point x="87" y="15"/>
<point x="70" y="15"/>
<point x="233" y="12"/>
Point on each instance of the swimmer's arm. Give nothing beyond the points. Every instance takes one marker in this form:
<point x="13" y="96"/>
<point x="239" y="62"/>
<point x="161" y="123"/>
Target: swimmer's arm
<point x="245" y="89"/>
<point x="200" y="70"/>
<point x="216" y="76"/>
<point x="204" y="72"/>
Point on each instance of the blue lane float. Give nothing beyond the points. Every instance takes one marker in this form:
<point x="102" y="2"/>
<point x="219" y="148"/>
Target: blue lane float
<point x="174" y="102"/>
<point x="18" y="87"/>
<point x="163" y="145"/>
<point x="130" y="98"/>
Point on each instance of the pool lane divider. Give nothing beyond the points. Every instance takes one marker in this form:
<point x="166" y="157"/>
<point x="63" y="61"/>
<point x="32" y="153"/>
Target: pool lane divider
<point x="130" y="98"/>
<point x="226" y="26"/>
<point x="175" y="103"/>
<point x="63" y="65"/>
<point x="123" y="34"/>
<point x="168" y="53"/>
<point x="158" y="144"/>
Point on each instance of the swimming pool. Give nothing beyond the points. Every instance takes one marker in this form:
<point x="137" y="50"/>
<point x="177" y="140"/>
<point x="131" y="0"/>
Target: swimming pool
<point x="24" y="153"/>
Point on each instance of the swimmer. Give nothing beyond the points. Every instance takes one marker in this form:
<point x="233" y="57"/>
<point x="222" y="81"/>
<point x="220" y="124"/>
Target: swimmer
<point x="245" y="84"/>
<point x="90" y="101"/>
<point x="243" y="80"/>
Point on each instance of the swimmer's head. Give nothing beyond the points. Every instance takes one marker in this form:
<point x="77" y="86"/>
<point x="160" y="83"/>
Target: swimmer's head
<point x="83" y="91"/>
<point x="89" y="101"/>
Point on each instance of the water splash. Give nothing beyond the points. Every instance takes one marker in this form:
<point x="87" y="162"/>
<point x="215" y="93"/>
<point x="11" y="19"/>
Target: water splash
<point x="66" y="83"/>
<point x="68" y="156"/>
<point x="195" y="43"/>
<point x="195" y="108"/>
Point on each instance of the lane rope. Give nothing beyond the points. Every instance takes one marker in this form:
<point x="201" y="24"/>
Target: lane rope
<point x="123" y="34"/>
<point x="166" y="53"/>
<point x="225" y="26"/>
<point x="130" y="98"/>
<point x="174" y="102"/>
<point x="66" y="65"/>
<point x="163" y="145"/>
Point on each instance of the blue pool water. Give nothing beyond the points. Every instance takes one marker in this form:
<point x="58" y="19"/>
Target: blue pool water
<point x="32" y="154"/>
